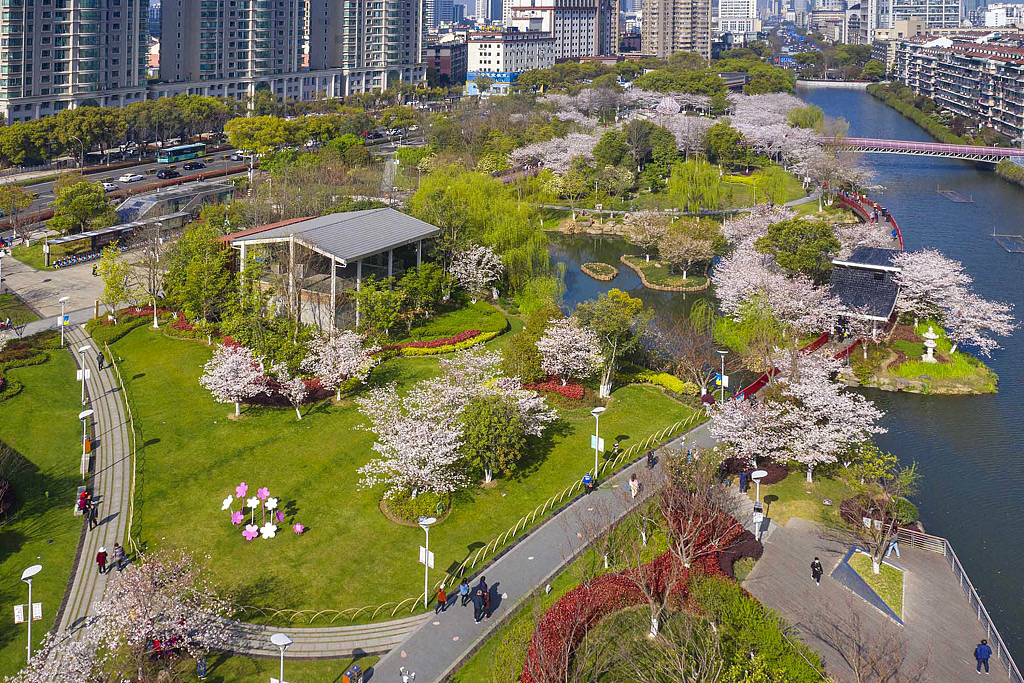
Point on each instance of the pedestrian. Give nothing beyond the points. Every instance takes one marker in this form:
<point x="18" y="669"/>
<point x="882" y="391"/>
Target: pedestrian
<point x="588" y="483"/>
<point x="981" y="654"/>
<point x="894" y="547"/>
<point x="93" y="513"/>
<point x="442" y="600"/>
<point x="650" y="460"/>
<point x="634" y="485"/>
<point x="817" y="570"/>
<point x="744" y="482"/>
<point x="101" y="560"/>
<point x="83" y="502"/>
<point x="117" y="558"/>
<point x="464" y="591"/>
<point x="479" y="604"/>
<point x="99" y="360"/>
<point x="487" y="604"/>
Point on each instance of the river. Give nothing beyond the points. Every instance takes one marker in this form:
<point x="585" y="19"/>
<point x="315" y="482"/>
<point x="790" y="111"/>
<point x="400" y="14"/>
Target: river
<point x="971" y="449"/>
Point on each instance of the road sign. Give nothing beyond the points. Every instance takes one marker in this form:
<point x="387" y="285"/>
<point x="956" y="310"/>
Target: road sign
<point x="67" y="319"/>
<point x="426" y="557"/>
<point x="19" y="612"/>
<point x="596" y="443"/>
<point x="721" y="379"/>
<point x="88" y="374"/>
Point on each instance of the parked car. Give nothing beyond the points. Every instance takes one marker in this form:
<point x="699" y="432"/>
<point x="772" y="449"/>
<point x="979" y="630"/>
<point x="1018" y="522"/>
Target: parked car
<point x="110" y="187"/>
<point x="237" y="156"/>
<point x="131" y="178"/>
<point x="194" y="165"/>
<point x="167" y="174"/>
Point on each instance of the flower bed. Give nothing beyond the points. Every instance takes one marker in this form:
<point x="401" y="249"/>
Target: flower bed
<point x="570" y="390"/>
<point x="433" y="343"/>
<point x="143" y="310"/>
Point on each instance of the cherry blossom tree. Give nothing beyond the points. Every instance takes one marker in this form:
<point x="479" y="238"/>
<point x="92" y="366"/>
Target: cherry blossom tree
<point x="861" y="234"/>
<point x="337" y="358"/>
<point x="292" y="388"/>
<point x="750" y="226"/>
<point x="233" y="374"/>
<point x="475" y="268"/>
<point x="60" y="658"/>
<point x="748" y="429"/>
<point x="690" y="132"/>
<point x="569" y="350"/>
<point x="645" y="229"/>
<point x="559" y="153"/>
<point x="974" y="320"/>
<point x="930" y="283"/>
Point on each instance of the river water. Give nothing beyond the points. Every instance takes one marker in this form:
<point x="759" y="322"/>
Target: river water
<point x="971" y="449"/>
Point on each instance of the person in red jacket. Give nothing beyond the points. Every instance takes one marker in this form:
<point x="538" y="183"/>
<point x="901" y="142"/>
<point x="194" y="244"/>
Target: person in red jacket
<point x="101" y="560"/>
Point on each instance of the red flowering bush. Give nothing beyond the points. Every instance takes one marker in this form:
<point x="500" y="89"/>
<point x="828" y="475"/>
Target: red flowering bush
<point x="570" y="390"/>
<point x="433" y="343"/>
<point x="143" y="310"/>
<point x="183" y="324"/>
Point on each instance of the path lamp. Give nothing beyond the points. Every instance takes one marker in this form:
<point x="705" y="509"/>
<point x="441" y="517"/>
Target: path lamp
<point x="596" y="412"/>
<point x="724" y="379"/>
<point x="426" y="557"/>
<point x="282" y="642"/>
<point x="2" y="271"/>
<point x="84" y="417"/>
<point x="63" y="300"/>
<point x="85" y="371"/>
<point x="757" y="476"/>
<point x="26" y="576"/>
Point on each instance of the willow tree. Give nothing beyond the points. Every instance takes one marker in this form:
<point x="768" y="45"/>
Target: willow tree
<point x="694" y="185"/>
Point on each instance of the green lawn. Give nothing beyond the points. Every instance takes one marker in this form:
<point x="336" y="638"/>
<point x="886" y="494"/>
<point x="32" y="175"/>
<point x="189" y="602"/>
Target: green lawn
<point x="658" y="273"/>
<point x="479" y="316"/>
<point x="192" y="456"/>
<point x="32" y="255"/>
<point x="233" y="669"/>
<point x="888" y="583"/>
<point x="794" y="497"/>
<point x="41" y="423"/>
<point x="13" y="308"/>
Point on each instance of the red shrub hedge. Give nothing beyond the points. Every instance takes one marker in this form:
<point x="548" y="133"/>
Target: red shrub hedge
<point x="570" y="390"/>
<point x="433" y="343"/>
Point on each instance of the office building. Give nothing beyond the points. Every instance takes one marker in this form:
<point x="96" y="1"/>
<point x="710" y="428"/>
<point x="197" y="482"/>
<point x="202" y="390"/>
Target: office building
<point x="71" y="53"/>
<point x="671" y="26"/>
<point x="501" y="56"/>
<point x="154" y="18"/>
<point x="737" y="16"/>
<point x="458" y="13"/>
<point x="1001" y="15"/>
<point x="437" y="12"/>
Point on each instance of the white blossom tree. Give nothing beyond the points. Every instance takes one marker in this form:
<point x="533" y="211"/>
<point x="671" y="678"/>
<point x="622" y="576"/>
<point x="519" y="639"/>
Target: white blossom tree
<point x="60" y="658"/>
<point x="559" y="153"/>
<point x="750" y="226"/>
<point x="748" y="429"/>
<point x="292" y="388"/>
<point x="930" y="283"/>
<point x="569" y="350"/>
<point x="861" y="234"/>
<point x="233" y="374"/>
<point x="337" y="358"/>
<point x="645" y="229"/>
<point x="974" y="320"/>
<point x="476" y="268"/>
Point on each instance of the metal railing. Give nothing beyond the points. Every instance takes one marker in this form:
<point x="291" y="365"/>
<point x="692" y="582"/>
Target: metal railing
<point x="131" y="430"/>
<point x="938" y="544"/>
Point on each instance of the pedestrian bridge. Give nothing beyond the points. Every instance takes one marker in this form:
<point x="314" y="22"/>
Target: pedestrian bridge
<point x="991" y="155"/>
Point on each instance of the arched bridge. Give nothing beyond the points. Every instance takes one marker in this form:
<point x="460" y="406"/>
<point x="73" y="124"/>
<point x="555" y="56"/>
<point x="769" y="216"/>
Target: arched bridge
<point x="992" y="155"/>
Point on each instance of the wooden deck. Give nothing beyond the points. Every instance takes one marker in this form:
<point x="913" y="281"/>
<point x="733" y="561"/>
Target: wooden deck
<point x="941" y="629"/>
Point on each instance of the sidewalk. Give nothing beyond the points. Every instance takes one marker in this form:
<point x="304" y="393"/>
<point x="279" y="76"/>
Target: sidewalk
<point x="445" y="641"/>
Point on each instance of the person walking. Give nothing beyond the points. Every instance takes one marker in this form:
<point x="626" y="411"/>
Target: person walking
<point x="650" y="460"/>
<point x="464" y="591"/>
<point x="99" y="360"/>
<point x="981" y="654"/>
<point x="93" y="513"/>
<point x="101" y="560"/>
<point x="442" y="600"/>
<point x="588" y="483"/>
<point x="117" y="558"/>
<point x="487" y="604"/>
<point x="479" y="601"/>
<point x="634" y="485"/>
<point x="817" y="570"/>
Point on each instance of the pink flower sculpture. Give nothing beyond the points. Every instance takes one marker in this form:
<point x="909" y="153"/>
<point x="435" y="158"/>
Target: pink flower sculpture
<point x="298" y="528"/>
<point x="262" y="493"/>
<point x="251" y="532"/>
<point x="280" y="516"/>
<point x="241" y="490"/>
<point x="236" y="517"/>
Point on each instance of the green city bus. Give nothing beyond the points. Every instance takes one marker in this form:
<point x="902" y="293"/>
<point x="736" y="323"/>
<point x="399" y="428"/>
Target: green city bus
<point x="181" y="153"/>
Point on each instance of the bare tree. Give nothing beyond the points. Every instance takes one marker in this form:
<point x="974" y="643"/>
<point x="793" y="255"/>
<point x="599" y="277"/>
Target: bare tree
<point x="153" y="266"/>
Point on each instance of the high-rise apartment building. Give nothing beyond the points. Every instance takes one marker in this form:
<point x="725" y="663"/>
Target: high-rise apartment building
<point x="437" y="12"/>
<point x="581" y="28"/>
<point x="737" y="16"/>
<point x="671" y="26"/>
<point x="60" y="54"/>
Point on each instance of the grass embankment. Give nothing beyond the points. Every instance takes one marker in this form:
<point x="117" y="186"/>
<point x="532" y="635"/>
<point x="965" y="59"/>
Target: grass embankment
<point x="41" y="424"/>
<point x="657" y="273"/>
<point x="1010" y="171"/>
<point x="795" y="497"/>
<point x="14" y="308"/>
<point x="888" y="583"/>
<point x="311" y="466"/>
<point x="33" y="255"/>
<point x="232" y="669"/>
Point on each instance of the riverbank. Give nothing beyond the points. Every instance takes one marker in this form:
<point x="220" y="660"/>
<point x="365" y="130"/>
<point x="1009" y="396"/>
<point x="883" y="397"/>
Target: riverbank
<point x="928" y="115"/>
<point x="1009" y="171"/>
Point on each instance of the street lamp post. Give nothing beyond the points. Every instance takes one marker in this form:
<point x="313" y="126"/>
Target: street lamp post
<point x="282" y="642"/>
<point x="63" y="300"/>
<point x="425" y="523"/>
<point x="722" y="394"/>
<point x="26" y="576"/>
<point x="596" y="412"/>
<point x="84" y="417"/>
<point x="79" y="141"/>
<point x="85" y="371"/>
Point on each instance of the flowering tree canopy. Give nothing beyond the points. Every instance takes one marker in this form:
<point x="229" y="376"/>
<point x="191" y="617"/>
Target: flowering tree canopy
<point x="339" y="357"/>
<point x="292" y="388"/>
<point x="569" y="350"/>
<point x="475" y="268"/>
<point x="233" y="374"/>
<point x="559" y="153"/>
<point x="645" y="229"/>
<point x="973" y="320"/>
<point x="750" y="226"/>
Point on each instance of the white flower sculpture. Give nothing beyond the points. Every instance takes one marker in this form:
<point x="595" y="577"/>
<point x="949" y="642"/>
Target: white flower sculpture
<point x="268" y="530"/>
<point x="271" y="503"/>
<point x="253" y="502"/>
<point x="227" y="503"/>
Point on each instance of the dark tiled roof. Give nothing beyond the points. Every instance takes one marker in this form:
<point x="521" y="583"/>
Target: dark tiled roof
<point x="872" y="256"/>
<point x="870" y="292"/>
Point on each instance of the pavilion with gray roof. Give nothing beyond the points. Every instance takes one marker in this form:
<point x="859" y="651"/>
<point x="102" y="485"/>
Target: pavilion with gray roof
<point x="337" y="251"/>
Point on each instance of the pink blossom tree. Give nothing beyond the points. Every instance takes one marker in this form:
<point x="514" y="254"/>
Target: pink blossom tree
<point x="337" y="358"/>
<point x="750" y="226"/>
<point x="974" y="320"/>
<point x="476" y="268"/>
<point x="233" y="374"/>
<point x="930" y="283"/>
<point x="645" y="229"/>
<point x="292" y="388"/>
<point x="558" y="154"/>
<point x="569" y="350"/>
<point x="60" y="658"/>
<point x="748" y="429"/>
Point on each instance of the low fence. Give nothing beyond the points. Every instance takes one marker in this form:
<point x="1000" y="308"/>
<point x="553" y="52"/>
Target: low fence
<point x="129" y="540"/>
<point x="938" y="544"/>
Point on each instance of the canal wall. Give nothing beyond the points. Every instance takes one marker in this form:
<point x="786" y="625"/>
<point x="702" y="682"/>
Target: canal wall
<point x="845" y="85"/>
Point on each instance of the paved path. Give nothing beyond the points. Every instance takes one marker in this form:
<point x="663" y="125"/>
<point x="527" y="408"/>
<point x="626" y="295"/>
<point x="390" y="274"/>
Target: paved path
<point x="435" y="650"/>
<point x="42" y="289"/>
<point x="110" y="483"/>
<point x="941" y="629"/>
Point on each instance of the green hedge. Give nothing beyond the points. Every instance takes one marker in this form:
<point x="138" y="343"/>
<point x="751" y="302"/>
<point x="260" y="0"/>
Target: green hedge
<point x="448" y="348"/>
<point x="635" y="375"/>
<point x="935" y="128"/>
<point x="426" y="504"/>
<point x="21" y="353"/>
<point x="104" y="333"/>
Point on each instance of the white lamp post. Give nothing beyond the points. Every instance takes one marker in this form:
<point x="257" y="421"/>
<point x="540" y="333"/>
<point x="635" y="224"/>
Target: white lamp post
<point x="722" y="394"/>
<point x="85" y="371"/>
<point x="282" y="642"/>
<point x="425" y="523"/>
<point x="84" y="416"/>
<point x="26" y="576"/>
<point x="63" y="300"/>
<point x="757" y="476"/>
<point x="596" y="412"/>
<point x="2" y="273"/>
